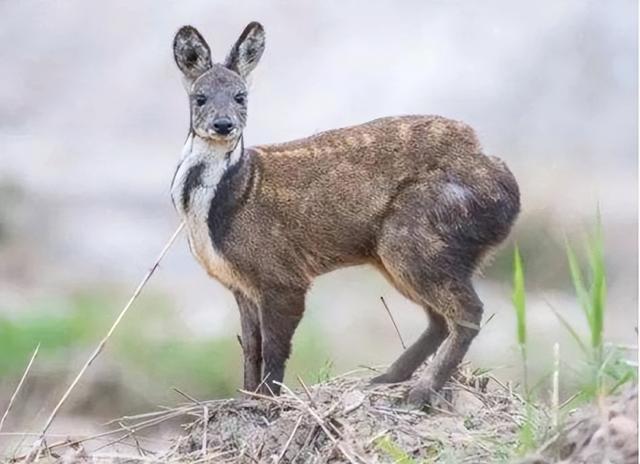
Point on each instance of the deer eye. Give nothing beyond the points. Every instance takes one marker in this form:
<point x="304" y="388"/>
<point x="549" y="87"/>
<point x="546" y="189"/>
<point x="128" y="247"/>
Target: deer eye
<point x="200" y="99"/>
<point x="241" y="98"/>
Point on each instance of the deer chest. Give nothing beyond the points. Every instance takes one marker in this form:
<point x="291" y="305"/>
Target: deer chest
<point x="193" y="191"/>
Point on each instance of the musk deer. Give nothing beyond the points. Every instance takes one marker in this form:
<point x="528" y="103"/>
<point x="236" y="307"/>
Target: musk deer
<point x="414" y="196"/>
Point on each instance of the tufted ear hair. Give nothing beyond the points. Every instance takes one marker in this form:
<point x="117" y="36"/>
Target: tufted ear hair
<point x="246" y="53"/>
<point x="192" y="54"/>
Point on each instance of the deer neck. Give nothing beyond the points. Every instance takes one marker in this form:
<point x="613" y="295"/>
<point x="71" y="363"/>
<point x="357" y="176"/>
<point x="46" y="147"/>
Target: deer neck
<point x="201" y="167"/>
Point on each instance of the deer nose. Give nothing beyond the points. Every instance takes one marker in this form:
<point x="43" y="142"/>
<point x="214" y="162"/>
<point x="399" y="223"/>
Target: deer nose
<point x="223" y="126"/>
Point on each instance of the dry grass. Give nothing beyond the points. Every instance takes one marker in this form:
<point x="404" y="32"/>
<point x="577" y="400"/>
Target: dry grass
<point x="342" y="420"/>
<point x="347" y="420"/>
<point x="478" y="419"/>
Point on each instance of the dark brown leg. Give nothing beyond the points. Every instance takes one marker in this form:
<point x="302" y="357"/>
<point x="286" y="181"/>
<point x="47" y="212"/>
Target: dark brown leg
<point x="430" y="252"/>
<point x="464" y="312"/>
<point x="251" y="342"/>
<point x="408" y="271"/>
<point x="417" y="353"/>
<point x="281" y="312"/>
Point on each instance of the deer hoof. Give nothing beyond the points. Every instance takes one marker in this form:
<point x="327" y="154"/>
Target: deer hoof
<point x="420" y="397"/>
<point x="389" y="377"/>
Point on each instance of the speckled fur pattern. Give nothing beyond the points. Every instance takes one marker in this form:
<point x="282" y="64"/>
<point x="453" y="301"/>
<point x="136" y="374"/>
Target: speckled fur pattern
<point x="414" y="196"/>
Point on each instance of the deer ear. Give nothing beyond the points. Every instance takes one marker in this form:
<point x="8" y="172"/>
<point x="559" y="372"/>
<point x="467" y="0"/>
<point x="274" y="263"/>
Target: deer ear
<point x="191" y="52"/>
<point x="246" y="52"/>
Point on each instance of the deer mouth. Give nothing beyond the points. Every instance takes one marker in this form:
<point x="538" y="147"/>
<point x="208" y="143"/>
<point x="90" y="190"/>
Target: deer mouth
<point x="229" y="135"/>
<point x="221" y="138"/>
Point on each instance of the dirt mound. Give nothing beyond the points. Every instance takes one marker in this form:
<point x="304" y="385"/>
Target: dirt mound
<point x="477" y="419"/>
<point x="603" y="433"/>
<point x="348" y="420"/>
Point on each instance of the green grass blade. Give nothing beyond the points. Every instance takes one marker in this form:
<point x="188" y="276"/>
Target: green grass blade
<point x="578" y="280"/>
<point x="526" y="434"/>
<point x="570" y="329"/>
<point x="518" y="298"/>
<point x="627" y="377"/>
<point x="598" y="287"/>
<point x="392" y="450"/>
<point x="598" y="296"/>
<point x="519" y="304"/>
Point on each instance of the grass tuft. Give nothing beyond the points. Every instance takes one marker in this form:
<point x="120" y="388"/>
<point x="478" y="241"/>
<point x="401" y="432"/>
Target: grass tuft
<point x="606" y="367"/>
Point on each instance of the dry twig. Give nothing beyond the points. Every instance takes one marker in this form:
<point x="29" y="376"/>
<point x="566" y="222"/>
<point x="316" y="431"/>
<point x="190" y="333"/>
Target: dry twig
<point x="19" y="386"/>
<point x="393" y="321"/>
<point x="321" y="423"/>
<point x="103" y="342"/>
<point x="286" y="445"/>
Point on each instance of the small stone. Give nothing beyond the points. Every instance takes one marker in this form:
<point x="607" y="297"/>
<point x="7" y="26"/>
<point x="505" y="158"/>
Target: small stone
<point x="352" y="401"/>
<point x="467" y="403"/>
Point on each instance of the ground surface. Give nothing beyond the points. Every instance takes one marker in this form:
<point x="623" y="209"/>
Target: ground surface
<point x="477" y="420"/>
<point x="347" y="420"/>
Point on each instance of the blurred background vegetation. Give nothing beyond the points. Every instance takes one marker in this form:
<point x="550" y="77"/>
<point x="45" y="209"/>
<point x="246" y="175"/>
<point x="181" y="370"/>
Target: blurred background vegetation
<point x="93" y="115"/>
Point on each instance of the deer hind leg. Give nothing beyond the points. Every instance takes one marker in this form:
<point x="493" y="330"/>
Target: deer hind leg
<point x="426" y="344"/>
<point x="460" y="304"/>
<point x="408" y="263"/>
<point x="455" y="312"/>
<point x="423" y="254"/>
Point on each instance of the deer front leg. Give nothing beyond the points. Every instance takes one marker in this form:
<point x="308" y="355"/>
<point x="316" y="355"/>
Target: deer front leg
<point x="251" y="342"/>
<point x="281" y="312"/>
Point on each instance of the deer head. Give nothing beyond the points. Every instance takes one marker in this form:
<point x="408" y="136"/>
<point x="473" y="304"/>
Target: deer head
<point x="218" y="91"/>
